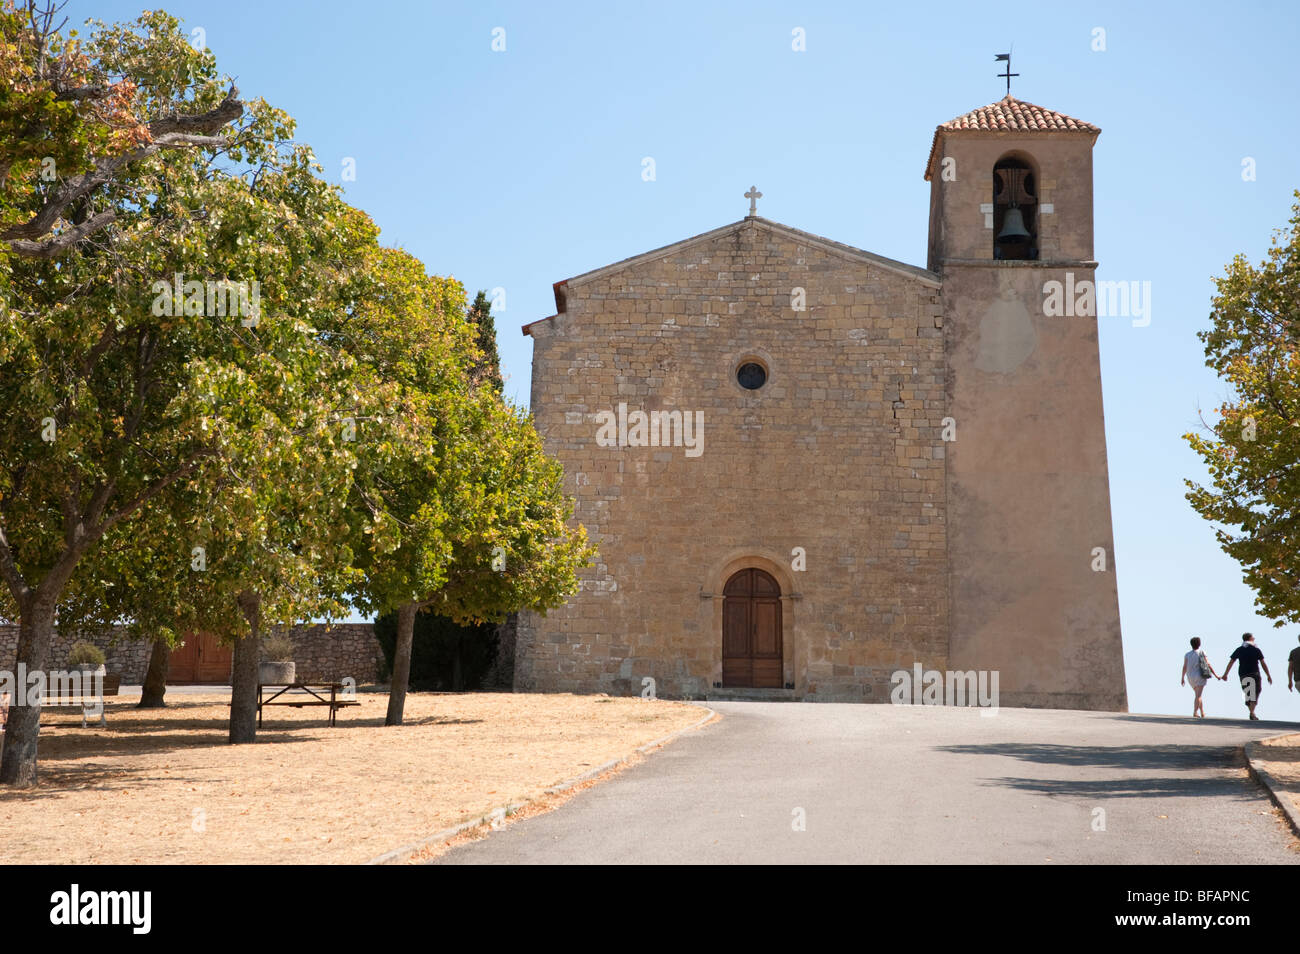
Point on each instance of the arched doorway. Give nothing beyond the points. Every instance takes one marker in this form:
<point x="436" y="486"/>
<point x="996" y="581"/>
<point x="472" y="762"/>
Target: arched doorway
<point x="751" y="631"/>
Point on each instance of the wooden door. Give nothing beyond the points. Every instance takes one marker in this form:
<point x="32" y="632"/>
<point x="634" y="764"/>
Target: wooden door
<point x="751" y="631"/>
<point x="183" y="666"/>
<point x="214" y="661"/>
<point x="200" y="659"/>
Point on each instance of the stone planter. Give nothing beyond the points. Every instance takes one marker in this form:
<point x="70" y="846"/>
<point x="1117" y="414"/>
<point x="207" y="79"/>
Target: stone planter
<point x="88" y="673"/>
<point x="276" y="673"/>
<point x="87" y="681"/>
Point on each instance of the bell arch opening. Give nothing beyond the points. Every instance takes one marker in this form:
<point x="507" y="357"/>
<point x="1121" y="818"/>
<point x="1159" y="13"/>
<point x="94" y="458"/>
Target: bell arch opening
<point x="1015" y="208"/>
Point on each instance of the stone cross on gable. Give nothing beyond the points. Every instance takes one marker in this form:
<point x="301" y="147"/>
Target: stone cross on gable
<point x="753" y="195"/>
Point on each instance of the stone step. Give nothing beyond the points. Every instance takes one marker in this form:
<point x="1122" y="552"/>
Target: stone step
<point x="749" y="695"/>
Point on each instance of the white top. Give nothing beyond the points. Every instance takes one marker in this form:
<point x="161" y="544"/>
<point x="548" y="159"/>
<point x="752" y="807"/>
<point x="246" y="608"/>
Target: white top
<point x="1193" y="660"/>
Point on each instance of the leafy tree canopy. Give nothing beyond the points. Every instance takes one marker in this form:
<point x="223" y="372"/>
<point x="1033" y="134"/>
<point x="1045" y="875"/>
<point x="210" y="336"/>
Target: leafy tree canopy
<point x="1252" y="448"/>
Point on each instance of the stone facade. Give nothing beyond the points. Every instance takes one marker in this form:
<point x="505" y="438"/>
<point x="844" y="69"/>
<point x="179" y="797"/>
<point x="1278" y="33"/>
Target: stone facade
<point x="923" y="473"/>
<point x="839" y="454"/>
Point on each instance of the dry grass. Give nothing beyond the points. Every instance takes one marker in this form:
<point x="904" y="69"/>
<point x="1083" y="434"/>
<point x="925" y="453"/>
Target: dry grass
<point x="164" y="786"/>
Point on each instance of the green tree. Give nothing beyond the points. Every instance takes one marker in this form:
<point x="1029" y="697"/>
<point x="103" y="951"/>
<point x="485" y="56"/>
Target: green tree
<point x="462" y="487"/>
<point x="127" y="376"/>
<point x="149" y="594"/>
<point x="1252" y="448"/>
<point x="71" y="122"/>
<point x="487" y="367"/>
<point x="510" y="543"/>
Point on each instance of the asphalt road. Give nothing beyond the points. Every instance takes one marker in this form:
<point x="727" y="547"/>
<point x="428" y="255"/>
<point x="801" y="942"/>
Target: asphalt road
<point x="885" y="784"/>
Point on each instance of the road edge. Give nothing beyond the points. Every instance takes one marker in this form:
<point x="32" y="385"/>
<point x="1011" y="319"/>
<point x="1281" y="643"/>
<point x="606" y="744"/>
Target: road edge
<point x="400" y="855"/>
<point x="1271" y="785"/>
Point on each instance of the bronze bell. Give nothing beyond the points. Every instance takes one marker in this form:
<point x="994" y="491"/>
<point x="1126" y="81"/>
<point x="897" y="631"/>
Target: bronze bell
<point x="1013" y="227"/>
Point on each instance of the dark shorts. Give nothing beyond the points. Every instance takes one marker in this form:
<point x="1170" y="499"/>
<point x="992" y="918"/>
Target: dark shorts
<point x="1251" y="687"/>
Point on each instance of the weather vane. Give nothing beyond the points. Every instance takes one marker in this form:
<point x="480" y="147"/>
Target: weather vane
<point x="1006" y="57"/>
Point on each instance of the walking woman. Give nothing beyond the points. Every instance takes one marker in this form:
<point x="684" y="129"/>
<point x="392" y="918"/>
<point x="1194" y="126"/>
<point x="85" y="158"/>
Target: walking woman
<point x="1197" y="671"/>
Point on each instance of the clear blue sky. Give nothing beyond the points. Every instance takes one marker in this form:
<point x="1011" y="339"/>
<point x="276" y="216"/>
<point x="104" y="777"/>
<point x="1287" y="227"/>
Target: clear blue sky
<point x="516" y="169"/>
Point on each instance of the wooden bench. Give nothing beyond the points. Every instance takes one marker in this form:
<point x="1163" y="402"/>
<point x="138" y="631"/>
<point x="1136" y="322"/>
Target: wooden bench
<point x="85" y="701"/>
<point x="314" y="696"/>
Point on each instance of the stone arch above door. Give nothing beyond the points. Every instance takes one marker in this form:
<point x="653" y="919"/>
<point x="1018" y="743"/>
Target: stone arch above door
<point x="762" y="559"/>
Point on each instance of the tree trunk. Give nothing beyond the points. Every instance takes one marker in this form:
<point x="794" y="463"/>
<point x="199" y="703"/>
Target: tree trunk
<point x="243" y="673"/>
<point x="401" y="663"/>
<point x="35" y="634"/>
<point x="155" y="680"/>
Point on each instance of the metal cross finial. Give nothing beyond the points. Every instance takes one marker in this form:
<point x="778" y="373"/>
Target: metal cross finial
<point x="1001" y="57"/>
<point x="753" y="195"/>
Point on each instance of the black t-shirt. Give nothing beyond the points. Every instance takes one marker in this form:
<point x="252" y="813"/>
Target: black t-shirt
<point x="1294" y="659"/>
<point x="1248" y="657"/>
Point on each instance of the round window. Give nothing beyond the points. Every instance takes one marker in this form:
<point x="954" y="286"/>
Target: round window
<point x="751" y="376"/>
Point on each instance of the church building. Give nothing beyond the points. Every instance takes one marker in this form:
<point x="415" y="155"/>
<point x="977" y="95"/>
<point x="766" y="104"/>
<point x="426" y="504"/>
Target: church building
<point x="808" y="467"/>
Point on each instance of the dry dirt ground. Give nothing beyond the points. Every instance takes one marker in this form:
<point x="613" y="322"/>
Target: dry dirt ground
<point x="1280" y="757"/>
<point x="164" y="786"/>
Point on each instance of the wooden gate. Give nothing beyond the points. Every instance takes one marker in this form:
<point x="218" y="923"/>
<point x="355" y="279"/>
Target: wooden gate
<point x="200" y="660"/>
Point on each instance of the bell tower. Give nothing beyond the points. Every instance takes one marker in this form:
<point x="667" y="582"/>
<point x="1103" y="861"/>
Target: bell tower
<point x="1032" y="589"/>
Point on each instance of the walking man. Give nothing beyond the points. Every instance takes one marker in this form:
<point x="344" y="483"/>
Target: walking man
<point x="1293" y="670"/>
<point x="1251" y="659"/>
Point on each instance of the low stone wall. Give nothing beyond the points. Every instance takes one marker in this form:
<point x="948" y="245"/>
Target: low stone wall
<point x="332" y="654"/>
<point x="322" y="654"/>
<point x="128" y="657"/>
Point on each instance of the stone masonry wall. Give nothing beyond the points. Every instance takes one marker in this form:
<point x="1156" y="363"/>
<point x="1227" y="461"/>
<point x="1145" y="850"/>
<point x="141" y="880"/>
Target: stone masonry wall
<point x="125" y="656"/>
<point x="345" y="650"/>
<point x="839" y="454"/>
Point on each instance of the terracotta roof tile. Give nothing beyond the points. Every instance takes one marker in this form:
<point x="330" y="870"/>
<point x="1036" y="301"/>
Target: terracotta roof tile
<point x="1009" y="115"/>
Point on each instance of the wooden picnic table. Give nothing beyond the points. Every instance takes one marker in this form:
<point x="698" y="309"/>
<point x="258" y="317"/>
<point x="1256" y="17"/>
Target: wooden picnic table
<point x="316" y="691"/>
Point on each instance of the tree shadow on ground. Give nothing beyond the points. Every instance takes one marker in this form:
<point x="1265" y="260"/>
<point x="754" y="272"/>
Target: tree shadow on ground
<point x="133" y="731"/>
<point x="1173" y="757"/>
<point x="424" y="720"/>
<point x="54" y="782"/>
<point x="1239" y="789"/>
<point x="78" y="743"/>
<point x="1222" y="723"/>
<point x="1169" y="758"/>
